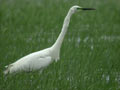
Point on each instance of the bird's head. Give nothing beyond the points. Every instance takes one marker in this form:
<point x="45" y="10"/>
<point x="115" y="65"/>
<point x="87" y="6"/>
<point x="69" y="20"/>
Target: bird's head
<point x="76" y="8"/>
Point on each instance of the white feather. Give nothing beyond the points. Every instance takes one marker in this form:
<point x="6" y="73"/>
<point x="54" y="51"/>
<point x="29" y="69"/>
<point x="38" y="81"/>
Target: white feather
<point x="39" y="60"/>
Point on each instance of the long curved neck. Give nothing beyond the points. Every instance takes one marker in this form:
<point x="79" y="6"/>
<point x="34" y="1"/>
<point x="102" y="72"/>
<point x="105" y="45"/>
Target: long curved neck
<point x="57" y="44"/>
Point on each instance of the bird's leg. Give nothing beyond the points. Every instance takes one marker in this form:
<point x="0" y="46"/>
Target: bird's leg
<point x="41" y="70"/>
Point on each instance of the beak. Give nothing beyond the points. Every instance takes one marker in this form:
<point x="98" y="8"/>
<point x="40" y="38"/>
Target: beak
<point x="88" y="9"/>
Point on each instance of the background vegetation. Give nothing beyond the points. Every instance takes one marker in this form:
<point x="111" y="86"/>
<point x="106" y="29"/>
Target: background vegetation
<point x="90" y="54"/>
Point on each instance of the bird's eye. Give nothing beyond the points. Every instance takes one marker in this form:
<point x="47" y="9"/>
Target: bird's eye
<point x="78" y="8"/>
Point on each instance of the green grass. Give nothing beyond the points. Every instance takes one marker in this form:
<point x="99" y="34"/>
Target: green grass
<point x="90" y="54"/>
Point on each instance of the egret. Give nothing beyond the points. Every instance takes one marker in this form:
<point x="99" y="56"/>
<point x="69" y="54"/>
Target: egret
<point x="41" y="59"/>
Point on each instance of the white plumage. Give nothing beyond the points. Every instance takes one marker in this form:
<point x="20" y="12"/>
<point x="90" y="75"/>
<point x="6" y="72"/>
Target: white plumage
<point x="41" y="59"/>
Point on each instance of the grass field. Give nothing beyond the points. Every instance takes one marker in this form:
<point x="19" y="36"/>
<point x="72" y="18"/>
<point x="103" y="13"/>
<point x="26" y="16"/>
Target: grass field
<point x="90" y="54"/>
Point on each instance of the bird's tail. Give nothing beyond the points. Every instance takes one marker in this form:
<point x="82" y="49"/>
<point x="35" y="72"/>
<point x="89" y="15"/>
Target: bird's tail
<point x="8" y="67"/>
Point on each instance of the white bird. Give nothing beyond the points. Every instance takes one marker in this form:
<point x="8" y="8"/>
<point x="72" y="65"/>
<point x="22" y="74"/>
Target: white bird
<point x="41" y="59"/>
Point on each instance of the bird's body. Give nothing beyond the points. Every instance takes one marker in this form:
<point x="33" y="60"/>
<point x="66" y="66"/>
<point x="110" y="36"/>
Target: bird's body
<point x="41" y="59"/>
<point x="34" y="61"/>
